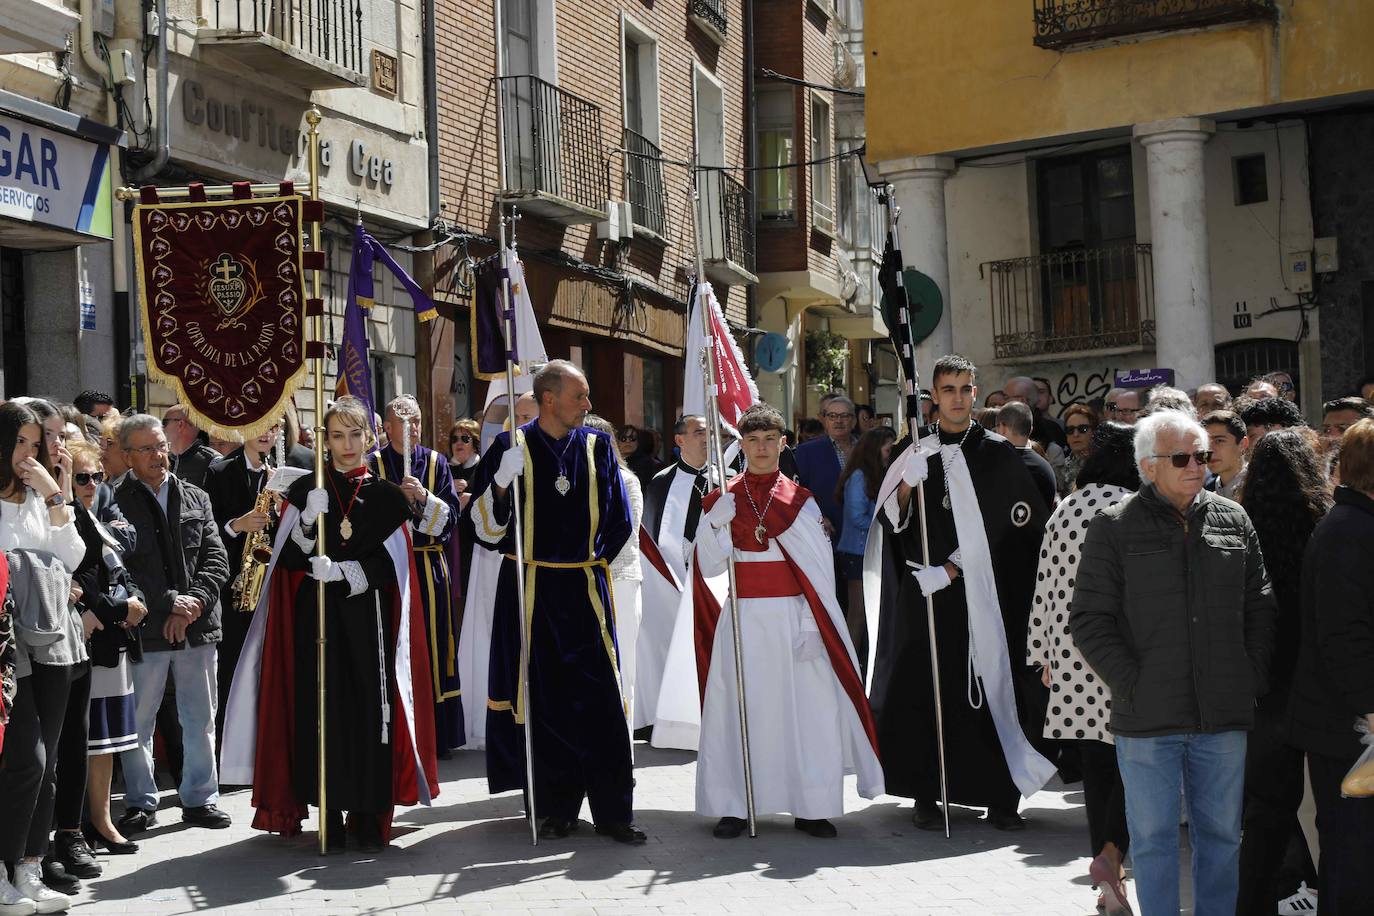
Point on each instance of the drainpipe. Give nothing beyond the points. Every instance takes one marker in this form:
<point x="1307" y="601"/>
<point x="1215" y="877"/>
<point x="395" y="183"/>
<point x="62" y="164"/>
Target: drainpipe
<point x="432" y="109"/>
<point x="751" y="304"/>
<point x="163" y="128"/>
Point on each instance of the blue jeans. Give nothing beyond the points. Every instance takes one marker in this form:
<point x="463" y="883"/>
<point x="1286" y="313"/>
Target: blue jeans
<point x="193" y="670"/>
<point x="1211" y="771"/>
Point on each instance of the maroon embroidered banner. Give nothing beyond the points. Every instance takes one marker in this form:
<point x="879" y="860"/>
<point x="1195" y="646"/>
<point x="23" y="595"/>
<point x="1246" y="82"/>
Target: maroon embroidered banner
<point x="222" y="290"/>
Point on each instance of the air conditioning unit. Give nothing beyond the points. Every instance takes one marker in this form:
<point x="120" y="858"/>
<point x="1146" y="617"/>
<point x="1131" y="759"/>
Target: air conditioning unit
<point x="619" y="222"/>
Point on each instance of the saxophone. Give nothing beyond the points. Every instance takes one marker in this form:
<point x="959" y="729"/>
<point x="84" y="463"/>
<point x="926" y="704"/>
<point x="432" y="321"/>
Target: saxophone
<point x="257" y="552"/>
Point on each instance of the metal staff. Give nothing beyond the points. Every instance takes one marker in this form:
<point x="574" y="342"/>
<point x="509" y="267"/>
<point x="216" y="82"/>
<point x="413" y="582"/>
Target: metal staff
<point x="713" y="425"/>
<point x="508" y="328"/>
<point x="907" y="350"/>
<point x="313" y="118"/>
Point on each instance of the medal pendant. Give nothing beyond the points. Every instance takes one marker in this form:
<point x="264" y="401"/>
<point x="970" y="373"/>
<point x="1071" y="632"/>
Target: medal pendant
<point x="760" y="533"/>
<point x="346" y="529"/>
<point x="945" y="502"/>
<point x="562" y="484"/>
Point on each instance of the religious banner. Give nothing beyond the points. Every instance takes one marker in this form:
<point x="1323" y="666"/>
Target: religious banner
<point x="223" y="306"/>
<point x="489" y="351"/>
<point x="355" y="367"/>
<point x="735" y="388"/>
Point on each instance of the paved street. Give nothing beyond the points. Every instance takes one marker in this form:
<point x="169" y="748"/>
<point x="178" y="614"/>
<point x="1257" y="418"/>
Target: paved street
<point x="471" y="854"/>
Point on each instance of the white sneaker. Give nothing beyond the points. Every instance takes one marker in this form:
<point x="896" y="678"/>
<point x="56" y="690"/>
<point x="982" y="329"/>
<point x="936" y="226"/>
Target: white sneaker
<point x="28" y="879"/>
<point x="12" y="900"/>
<point x="1303" y="903"/>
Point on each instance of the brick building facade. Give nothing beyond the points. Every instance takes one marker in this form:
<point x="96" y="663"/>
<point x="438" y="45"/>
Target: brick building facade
<point x="584" y="82"/>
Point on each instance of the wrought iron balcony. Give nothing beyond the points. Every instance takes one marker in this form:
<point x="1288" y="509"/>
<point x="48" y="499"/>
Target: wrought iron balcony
<point x="1063" y="23"/>
<point x="1072" y="301"/>
<point x="555" y="164"/>
<point x="711" y="17"/>
<point x="311" y="44"/>
<point x="644" y="174"/>
<point x="727" y="232"/>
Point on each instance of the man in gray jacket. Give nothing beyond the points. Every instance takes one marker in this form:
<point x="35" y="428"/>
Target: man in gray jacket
<point x="180" y="564"/>
<point x="1172" y="608"/>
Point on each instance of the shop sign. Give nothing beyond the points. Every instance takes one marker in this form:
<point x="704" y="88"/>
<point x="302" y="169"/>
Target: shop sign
<point x="54" y="179"/>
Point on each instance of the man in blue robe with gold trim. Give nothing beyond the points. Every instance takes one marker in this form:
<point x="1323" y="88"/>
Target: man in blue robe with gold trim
<point x="428" y="486"/>
<point x="575" y="517"/>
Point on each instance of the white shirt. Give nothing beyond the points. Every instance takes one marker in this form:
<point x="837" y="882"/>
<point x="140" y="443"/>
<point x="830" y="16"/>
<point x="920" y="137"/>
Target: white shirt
<point x="27" y="526"/>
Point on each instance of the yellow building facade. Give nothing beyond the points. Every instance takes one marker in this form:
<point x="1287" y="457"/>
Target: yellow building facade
<point x="1112" y="185"/>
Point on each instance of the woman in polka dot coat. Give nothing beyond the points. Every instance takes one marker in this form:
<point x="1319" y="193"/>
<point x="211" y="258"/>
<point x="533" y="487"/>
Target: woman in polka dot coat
<point x="1080" y="702"/>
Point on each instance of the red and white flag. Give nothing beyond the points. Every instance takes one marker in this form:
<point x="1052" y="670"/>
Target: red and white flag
<point x="735" y="388"/>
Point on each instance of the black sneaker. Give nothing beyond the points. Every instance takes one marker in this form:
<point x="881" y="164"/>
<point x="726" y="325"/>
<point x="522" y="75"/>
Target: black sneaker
<point x="135" y="820"/>
<point x="56" y="878"/>
<point x="556" y="828"/>
<point x="207" y="816"/>
<point x="1006" y="819"/>
<point x="821" y="829"/>
<point x="76" y="857"/>
<point x="625" y="833"/>
<point x="928" y="816"/>
<point x="728" y="828"/>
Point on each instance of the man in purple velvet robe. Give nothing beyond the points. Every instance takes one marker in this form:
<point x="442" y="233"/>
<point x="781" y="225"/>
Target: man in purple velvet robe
<point x="575" y="518"/>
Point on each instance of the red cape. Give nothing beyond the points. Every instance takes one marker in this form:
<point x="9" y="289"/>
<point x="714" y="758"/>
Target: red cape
<point x="278" y="810"/>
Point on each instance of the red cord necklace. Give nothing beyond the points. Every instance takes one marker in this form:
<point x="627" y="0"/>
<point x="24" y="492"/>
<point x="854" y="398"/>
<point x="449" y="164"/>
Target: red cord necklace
<point x="346" y="526"/>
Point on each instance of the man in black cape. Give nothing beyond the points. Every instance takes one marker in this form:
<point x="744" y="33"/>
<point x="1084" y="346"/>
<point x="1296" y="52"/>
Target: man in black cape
<point x="985" y="518"/>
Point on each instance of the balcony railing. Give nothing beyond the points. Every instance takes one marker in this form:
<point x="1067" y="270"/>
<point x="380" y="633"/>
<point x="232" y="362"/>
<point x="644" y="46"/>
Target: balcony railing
<point x="555" y="164"/>
<point x="1061" y="23"/>
<point x="329" y="30"/>
<point x="711" y="16"/>
<point x="644" y="171"/>
<point x="1072" y="301"/>
<point x="727" y="233"/>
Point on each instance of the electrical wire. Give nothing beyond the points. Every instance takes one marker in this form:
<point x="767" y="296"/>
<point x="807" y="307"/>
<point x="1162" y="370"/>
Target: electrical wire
<point x="795" y="81"/>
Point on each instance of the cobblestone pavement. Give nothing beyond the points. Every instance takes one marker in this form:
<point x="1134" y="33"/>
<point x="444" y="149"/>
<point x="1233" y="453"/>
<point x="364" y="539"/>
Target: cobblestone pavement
<point x="470" y="853"/>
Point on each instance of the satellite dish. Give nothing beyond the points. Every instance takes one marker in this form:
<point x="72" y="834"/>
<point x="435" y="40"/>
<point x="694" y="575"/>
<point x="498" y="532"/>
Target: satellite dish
<point x="772" y="351"/>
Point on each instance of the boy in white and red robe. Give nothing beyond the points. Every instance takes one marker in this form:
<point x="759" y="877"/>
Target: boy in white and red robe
<point x="809" y="721"/>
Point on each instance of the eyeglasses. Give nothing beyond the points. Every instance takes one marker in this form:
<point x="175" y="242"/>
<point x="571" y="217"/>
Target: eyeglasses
<point x="1079" y="429"/>
<point x="85" y="480"/>
<point x="170" y="420"/>
<point x="831" y="415"/>
<point x="1180" y="459"/>
<point x="465" y="439"/>
<point x="627" y="437"/>
<point x="160" y="449"/>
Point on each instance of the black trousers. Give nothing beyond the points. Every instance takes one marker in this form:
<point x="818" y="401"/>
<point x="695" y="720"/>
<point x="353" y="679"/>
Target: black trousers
<point x="1273" y="793"/>
<point x="1104" y="797"/>
<point x="1346" y="829"/>
<point x="70" y="793"/>
<point x="28" y="767"/>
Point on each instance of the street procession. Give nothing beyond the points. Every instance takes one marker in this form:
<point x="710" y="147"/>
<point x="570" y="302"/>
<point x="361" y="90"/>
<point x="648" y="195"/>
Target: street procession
<point x="692" y="456"/>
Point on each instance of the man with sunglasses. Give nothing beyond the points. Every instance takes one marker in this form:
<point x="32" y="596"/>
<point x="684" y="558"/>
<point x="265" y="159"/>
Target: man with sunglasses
<point x="1173" y="609"/>
<point x="1123" y="405"/>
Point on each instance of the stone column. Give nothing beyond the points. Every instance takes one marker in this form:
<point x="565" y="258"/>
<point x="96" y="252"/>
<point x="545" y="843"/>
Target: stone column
<point x="1178" y="230"/>
<point x="919" y="183"/>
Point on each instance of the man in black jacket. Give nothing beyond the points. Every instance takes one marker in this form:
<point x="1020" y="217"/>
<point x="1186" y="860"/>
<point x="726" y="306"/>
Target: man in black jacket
<point x="190" y="458"/>
<point x="180" y="565"/>
<point x="1334" y="684"/>
<point x="1173" y="609"/>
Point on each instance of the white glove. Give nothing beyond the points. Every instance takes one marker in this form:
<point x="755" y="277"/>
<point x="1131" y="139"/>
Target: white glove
<point x="957" y="558"/>
<point x="723" y="512"/>
<point x="316" y="504"/>
<point x="930" y="578"/>
<point x="323" y="569"/>
<point x="917" y="468"/>
<point x="808" y="647"/>
<point x="512" y="466"/>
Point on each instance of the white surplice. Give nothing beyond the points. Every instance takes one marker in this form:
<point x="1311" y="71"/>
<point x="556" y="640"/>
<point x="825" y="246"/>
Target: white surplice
<point x="805" y="733"/>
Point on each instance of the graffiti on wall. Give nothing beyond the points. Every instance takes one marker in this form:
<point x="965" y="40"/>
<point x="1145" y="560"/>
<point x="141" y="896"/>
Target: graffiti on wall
<point x="1077" y="387"/>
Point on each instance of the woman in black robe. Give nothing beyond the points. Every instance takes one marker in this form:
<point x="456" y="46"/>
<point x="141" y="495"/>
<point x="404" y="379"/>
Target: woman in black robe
<point x="360" y="512"/>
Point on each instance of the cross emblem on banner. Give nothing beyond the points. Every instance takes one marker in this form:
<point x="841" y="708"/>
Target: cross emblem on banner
<point x="226" y="268"/>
